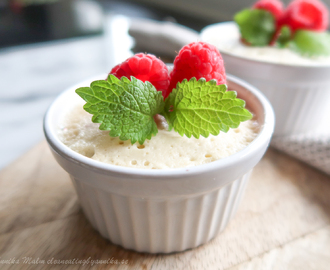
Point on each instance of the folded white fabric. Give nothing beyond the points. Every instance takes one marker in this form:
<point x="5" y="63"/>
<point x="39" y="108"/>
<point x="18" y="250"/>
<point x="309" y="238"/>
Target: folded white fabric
<point x="167" y="38"/>
<point x="310" y="148"/>
<point x="164" y="38"/>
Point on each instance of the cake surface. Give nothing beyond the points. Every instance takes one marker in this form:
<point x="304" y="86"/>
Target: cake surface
<point x="165" y="150"/>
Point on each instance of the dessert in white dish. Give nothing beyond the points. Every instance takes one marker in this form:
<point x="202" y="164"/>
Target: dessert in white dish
<point x="165" y="150"/>
<point x="226" y="37"/>
<point x="157" y="210"/>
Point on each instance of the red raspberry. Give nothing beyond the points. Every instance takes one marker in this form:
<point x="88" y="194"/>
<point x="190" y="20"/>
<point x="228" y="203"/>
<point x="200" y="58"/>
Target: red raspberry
<point x="306" y="14"/>
<point x="275" y="7"/>
<point x="197" y="59"/>
<point x="145" y="67"/>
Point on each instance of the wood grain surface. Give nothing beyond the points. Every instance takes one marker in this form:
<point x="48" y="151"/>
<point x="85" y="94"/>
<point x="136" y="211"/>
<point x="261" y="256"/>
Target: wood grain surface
<point x="282" y="223"/>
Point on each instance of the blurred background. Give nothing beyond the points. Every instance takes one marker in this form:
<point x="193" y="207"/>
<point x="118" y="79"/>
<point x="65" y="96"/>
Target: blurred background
<point x="49" y="45"/>
<point x="29" y="21"/>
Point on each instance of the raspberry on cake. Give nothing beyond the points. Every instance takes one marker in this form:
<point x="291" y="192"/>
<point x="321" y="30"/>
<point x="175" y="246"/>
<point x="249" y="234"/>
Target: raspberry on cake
<point x="145" y="67"/>
<point x="306" y="14"/>
<point x="199" y="60"/>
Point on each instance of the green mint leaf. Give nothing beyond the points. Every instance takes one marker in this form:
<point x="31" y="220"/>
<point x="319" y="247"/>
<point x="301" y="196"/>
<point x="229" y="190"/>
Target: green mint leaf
<point x="257" y="26"/>
<point x="311" y="43"/>
<point x="284" y="37"/>
<point x="124" y="107"/>
<point x="197" y="108"/>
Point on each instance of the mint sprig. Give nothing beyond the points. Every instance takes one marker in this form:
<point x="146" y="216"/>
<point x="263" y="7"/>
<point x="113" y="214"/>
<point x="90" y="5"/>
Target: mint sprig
<point x="284" y="37"/>
<point x="197" y="108"/>
<point x="126" y="108"/>
<point x="257" y="26"/>
<point x="311" y="43"/>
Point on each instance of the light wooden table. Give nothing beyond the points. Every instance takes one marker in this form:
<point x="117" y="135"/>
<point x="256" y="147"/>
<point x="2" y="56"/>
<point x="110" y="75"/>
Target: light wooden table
<point x="282" y="223"/>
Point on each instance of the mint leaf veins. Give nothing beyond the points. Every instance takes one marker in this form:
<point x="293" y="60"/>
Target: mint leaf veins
<point x="125" y="108"/>
<point x="197" y="108"/>
<point x="257" y="26"/>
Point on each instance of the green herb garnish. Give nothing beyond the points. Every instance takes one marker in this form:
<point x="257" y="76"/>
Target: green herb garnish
<point x="257" y="26"/>
<point x="126" y="108"/>
<point x="197" y="108"/>
<point x="284" y="37"/>
<point x="311" y="43"/>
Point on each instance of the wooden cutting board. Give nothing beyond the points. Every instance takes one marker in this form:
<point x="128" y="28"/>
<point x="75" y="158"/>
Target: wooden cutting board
<point x="282" y="223"/>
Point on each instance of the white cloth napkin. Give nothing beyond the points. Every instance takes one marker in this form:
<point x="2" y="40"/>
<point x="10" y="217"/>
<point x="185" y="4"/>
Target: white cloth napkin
<point x="163" y="38"/>
<point x="167" y="38"/>
<point x="311" y="148"/>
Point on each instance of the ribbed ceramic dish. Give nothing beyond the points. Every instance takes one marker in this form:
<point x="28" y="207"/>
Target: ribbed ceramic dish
<point x="161" y="211"/>
<point x="300" y="95"/>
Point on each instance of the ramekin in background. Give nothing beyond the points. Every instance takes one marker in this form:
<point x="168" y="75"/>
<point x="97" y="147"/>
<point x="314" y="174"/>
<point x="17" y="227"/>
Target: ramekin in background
<point x="300" y="95"/>
<point x="161" y="211"/>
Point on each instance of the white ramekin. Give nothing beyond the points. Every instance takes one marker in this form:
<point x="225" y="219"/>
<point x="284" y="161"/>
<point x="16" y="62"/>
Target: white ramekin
<point x="300" y="95"/>
<point x="161" y="211"/>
